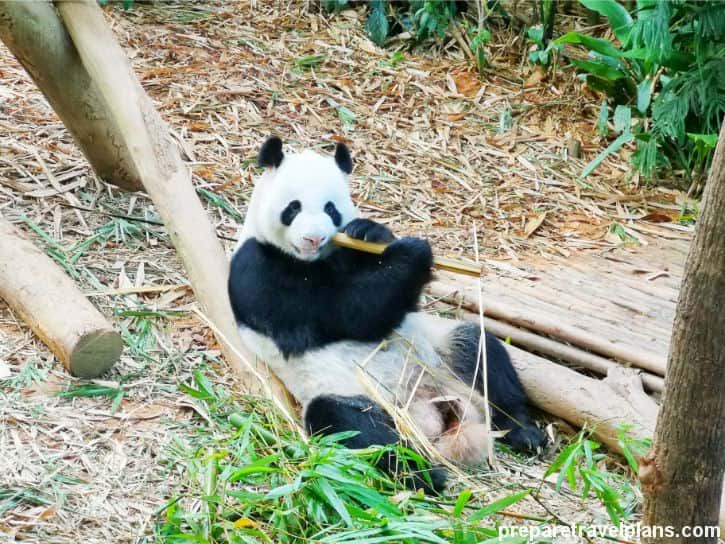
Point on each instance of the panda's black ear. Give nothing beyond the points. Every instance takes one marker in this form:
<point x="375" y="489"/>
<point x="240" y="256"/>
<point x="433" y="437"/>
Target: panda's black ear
<point x="343" y="158"/>
<point x="270" y="154"/>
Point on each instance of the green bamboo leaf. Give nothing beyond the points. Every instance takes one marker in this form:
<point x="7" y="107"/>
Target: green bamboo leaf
<point x="334" y="500"/>
<point x="462" y="501"/>
<point x="377" y="23"/>
<point x="595" y="44"/>
<point x="497" y="506"/>
<point x="599" y="68"/>
<point x="613" y="148"/>
<point x="622" y="119"/>
<point x="602" y="125"/>
<point x="644" y="95"/>
<point x="619" y="18"/>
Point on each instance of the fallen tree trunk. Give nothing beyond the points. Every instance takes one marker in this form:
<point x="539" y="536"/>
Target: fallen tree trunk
<point x="568" y="354"/>
<point x="163" y="174"/>
<point x="465" y="296"/>
<point x="581" y="401"/>
<point x="51" y="304"/>
<point x="36" y="36"/>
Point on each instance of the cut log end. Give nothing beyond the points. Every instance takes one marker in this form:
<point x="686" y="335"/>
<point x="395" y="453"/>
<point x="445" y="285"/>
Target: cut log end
<point x="94" y="353"/>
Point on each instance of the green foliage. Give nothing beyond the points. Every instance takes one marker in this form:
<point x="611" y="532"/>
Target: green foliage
<point x="667" y="73"/>
<point x="432" y="17"/>
<point x="544" y="53"/>
<point x="377" y="24"/>
<point x="334" y="5"/>
<point x="427" y="18"/>
<point x="583" y="467"/>
<point x="93" y="390"/>
<point x="250" y="477"/>
<point x="127" y="4"/>
<point x="481" y="37"/>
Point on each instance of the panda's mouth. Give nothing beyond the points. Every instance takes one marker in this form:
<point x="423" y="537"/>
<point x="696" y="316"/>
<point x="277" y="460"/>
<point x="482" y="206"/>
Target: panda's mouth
<point x="307" y="254"/>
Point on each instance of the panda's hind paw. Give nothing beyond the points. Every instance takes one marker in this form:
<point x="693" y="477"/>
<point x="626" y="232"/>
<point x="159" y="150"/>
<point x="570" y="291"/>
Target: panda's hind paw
<point x="369" y="231"/>
<point x="529" y="439"/>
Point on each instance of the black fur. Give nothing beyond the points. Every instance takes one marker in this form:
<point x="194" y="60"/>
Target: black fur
<point x="270" y="154"/>
<point x="290" y="212"/>
<point x="370" y="231"/>
<point x="329" y="414"/>
<point x="349" y="295"/>
<point x="509" y="409"/>
<point x="343" y="158"/>
<point x="331" y="210"/>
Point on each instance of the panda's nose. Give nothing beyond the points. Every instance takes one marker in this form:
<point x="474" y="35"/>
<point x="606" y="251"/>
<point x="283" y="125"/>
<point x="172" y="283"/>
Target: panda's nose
<point x="315" y="241"/>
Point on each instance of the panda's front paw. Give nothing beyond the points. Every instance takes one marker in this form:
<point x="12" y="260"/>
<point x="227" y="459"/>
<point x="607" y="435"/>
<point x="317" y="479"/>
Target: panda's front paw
<point x="369" y="231"/>
<point x="414" y="251"/>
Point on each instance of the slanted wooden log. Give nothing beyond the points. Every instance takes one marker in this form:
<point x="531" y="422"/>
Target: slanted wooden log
<point x="35" y="34"/>
<point x="163" y="174"/>
<point x="581" y="401"/>
<point x="51" y="304"/>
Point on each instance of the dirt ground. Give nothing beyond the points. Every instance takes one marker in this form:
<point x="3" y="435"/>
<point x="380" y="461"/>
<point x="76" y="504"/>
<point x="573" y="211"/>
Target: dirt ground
<point x="437" y="148"/>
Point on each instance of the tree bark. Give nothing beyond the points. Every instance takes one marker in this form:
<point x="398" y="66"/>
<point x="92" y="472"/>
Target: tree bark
<point x="165" y="177"/>
<point x="682" y="476"/>
<point x="51" y="304"/>
<point x="36" y="36"/>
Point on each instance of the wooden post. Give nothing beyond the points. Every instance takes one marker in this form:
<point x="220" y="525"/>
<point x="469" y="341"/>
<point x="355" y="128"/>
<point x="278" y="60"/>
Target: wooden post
<point x="36" y="36"/>
<point x="51" y="304"/>
<point x="164" y="176"/>
<point x="682" y="477"/>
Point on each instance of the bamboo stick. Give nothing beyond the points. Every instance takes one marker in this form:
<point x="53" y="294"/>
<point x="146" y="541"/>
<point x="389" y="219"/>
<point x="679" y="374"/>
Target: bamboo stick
<point x="551" y="326"/>
<point x="451" y="265"/>
<point x="566" y="353"/>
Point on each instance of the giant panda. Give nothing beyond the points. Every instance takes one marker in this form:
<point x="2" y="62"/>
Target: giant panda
<point x="333" y="322"/>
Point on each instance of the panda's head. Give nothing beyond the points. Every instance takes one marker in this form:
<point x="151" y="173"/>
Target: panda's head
<point x="301" y="201"/>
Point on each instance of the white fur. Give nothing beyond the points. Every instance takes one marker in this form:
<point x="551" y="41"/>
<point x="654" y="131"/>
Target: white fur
<point x="313" y="180"/>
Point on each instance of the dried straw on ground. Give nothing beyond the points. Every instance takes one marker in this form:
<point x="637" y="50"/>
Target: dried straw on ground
<point x="429" y="161"/>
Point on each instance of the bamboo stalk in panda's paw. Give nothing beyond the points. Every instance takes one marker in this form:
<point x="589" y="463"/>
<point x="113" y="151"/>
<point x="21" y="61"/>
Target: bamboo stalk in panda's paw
<point x="451" y="265"/>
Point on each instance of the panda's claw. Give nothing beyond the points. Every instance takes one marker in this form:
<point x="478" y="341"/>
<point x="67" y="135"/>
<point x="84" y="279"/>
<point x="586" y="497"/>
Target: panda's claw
<point x="369" y="231"/>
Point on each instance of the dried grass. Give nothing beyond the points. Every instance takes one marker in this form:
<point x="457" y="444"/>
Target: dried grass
<point x="429" y="161"/>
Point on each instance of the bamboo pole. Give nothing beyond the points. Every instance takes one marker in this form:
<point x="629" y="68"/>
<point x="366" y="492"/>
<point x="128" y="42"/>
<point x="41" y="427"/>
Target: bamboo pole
<point x="158" y="162"/>
<point x="51" y="304"/>
<point x="568" y="354"/>
<point x="549" y="325"/>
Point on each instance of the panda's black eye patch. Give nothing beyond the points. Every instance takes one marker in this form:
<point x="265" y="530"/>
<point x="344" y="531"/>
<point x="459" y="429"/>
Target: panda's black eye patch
<point x="290" y="212"/>
<point x="331" y="210"/>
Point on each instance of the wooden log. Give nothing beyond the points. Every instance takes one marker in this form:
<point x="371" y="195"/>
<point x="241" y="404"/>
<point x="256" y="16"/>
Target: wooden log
<point x="35" y="34"/>
<point x="568" y="354"/>
<point x="164" y="176"/>
<point x="579" y="400"/>
<point x="54" y="308"/>
<point x="548" y="325"/>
